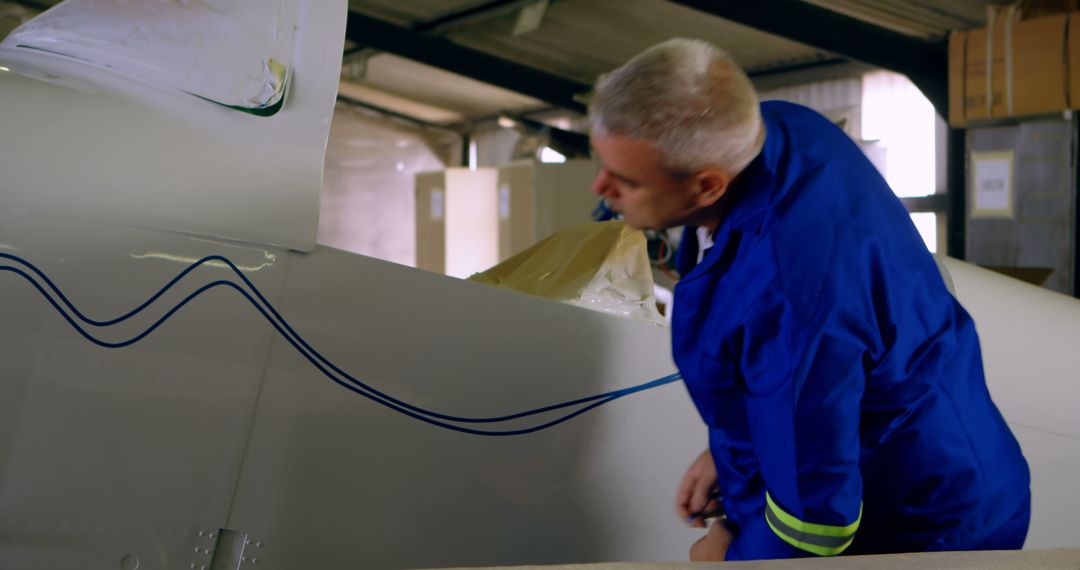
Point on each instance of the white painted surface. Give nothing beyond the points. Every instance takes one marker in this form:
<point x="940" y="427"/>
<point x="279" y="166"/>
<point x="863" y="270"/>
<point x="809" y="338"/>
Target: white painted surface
<point x="129" y="451"/>
<point x="215" y="421"/>
<point x="1055" y="469"/>
<point x="235" y="52"/>
<point x="109" y="456"/>
<point x="142" y="153"/>
<point x="334" y="478"/>
<point x="1028" y="336"/>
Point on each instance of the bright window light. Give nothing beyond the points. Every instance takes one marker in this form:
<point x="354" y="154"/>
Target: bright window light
<point x="897" y="115"/>
<point x="901" y="120"/>
<point x="926" y="223"/>
<point x="547" y="154"/>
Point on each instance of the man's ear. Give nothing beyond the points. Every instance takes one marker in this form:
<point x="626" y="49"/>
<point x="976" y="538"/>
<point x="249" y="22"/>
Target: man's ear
<point x="710" y="184"/>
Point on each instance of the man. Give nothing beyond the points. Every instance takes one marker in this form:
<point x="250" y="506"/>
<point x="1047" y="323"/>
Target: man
<point x="841" y="384"/>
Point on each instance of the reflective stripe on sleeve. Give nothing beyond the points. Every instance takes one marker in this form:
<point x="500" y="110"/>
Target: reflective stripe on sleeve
<point x="820" y="539"/>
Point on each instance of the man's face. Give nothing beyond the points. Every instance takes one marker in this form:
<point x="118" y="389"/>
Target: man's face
<point x="635" y="182"/>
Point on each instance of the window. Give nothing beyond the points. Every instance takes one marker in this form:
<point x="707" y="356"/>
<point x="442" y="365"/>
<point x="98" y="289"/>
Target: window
<point x="899" y="127"/>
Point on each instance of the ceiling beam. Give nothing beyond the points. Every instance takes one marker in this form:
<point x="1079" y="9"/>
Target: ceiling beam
<point x="415" y="121"/>
<point x="455" y="21"/>
<point x="924" y="62"/>
<point x="472" y="16"/>
<point x="445" y="54"/>
<point x="569" y="143"/>
<point x="32" y="4"/>
<point x="810" y="65"/>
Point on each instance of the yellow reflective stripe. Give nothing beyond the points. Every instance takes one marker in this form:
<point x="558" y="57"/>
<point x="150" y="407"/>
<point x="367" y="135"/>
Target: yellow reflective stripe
<point x="811" y="528"/>
<point x="821" y="539"/>
<point x="808" y="546"/>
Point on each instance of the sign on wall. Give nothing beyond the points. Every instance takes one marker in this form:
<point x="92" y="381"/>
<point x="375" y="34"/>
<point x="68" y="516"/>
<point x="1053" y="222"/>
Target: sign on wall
<point x="992" y="184"/>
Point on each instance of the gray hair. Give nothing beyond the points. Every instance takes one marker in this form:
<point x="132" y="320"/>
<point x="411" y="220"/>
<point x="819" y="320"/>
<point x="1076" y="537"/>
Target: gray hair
<point x="689" y="99"/>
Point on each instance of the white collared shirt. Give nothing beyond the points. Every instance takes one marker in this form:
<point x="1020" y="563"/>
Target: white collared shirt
<point x="704" y="242"/>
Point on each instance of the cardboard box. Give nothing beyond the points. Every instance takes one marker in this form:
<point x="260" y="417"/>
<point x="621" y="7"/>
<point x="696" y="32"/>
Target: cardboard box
<point x="1039" y="8"/>
<point x="978" y="92"/>
<point x="517" y="213"/>
<point x="456" y="221"/>
<point x="431" y="221"/>
<point x="1039" y="65"/>
<point x="538" y="199"/>
<point x="1025" y="76"/>
<point x="469" y="220"/>
<point x="1074" y="60"/>
<point x="957" y="55"/>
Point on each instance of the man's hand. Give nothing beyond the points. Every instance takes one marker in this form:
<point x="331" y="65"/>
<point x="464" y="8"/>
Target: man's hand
<point x="696" y="492"/>
<point x="713" y="546"/>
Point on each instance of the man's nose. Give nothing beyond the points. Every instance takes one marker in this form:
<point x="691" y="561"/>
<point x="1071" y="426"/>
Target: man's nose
<point x="601" y="184"/>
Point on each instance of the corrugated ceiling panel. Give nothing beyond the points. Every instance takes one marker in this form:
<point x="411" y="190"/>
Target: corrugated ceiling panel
<point x="930" y="19"/>
<point x="411" y="12"/>
<point x="580" y="39"/>
<point x="433" y="86"/>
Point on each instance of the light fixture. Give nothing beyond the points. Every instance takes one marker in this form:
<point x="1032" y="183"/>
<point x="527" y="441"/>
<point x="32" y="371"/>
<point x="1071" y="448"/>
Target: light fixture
<point x="548" y="154"/>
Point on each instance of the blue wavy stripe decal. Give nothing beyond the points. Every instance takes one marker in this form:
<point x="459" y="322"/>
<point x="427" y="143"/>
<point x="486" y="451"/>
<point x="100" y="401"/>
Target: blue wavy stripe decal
<point x="60" y="302"/>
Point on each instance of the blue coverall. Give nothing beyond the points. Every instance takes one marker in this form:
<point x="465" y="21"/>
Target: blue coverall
<point x="842" y="385"/>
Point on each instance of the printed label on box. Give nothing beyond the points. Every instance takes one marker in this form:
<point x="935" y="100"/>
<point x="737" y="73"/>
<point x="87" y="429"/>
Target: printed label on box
<point x="992" y="184"/>
<point x="504" y="202"/>
<point x="437" y="204"/>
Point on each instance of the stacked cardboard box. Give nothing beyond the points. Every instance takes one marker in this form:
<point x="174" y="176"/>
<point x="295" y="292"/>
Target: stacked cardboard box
<point x="457" y="227"/>
<point x="1037" y="8"/>
<point x="469" y="220"/>
<point x="1026" y="61"/>
<point x="538" y="199"/>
